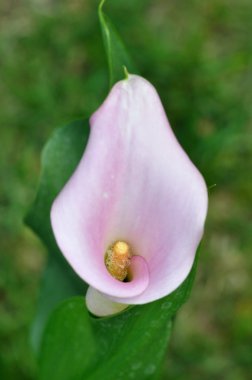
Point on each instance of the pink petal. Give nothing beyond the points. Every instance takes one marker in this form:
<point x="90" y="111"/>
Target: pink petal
<point x="134" y="183"/>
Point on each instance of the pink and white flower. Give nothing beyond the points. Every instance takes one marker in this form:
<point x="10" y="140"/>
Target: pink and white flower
<point x="135" y="185"/>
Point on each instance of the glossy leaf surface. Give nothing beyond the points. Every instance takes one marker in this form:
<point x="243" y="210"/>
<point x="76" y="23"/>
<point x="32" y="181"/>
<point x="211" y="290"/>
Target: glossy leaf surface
<point x="130" y="345"/>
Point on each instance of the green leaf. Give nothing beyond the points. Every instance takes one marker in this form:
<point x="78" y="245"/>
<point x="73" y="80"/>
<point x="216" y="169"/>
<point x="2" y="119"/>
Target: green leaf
<point x="69" y="345"/>
<point x="130" y="345"/>
<point x="117" y="55"/>
<point x="58" y="283"/>
<point x="59" y="159"/>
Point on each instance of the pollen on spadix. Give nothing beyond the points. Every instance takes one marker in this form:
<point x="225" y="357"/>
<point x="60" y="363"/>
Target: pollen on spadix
<point x="117" y="259"/>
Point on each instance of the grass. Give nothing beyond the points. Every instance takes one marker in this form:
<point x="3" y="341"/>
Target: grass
<point x="53" y="70"/>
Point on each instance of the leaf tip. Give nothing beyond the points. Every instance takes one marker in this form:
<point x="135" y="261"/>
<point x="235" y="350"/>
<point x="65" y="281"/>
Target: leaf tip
<point x="101" y="5"/>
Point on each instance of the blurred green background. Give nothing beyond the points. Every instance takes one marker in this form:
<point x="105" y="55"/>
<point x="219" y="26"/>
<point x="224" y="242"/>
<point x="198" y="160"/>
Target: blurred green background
<point x="52" y="71"/>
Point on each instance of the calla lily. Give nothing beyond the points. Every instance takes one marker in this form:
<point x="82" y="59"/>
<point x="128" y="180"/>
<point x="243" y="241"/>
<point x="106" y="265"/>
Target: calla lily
<point x="134" y="191"/>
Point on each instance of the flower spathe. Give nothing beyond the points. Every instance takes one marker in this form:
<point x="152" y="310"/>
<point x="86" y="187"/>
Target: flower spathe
<point x="134" y="183"/>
